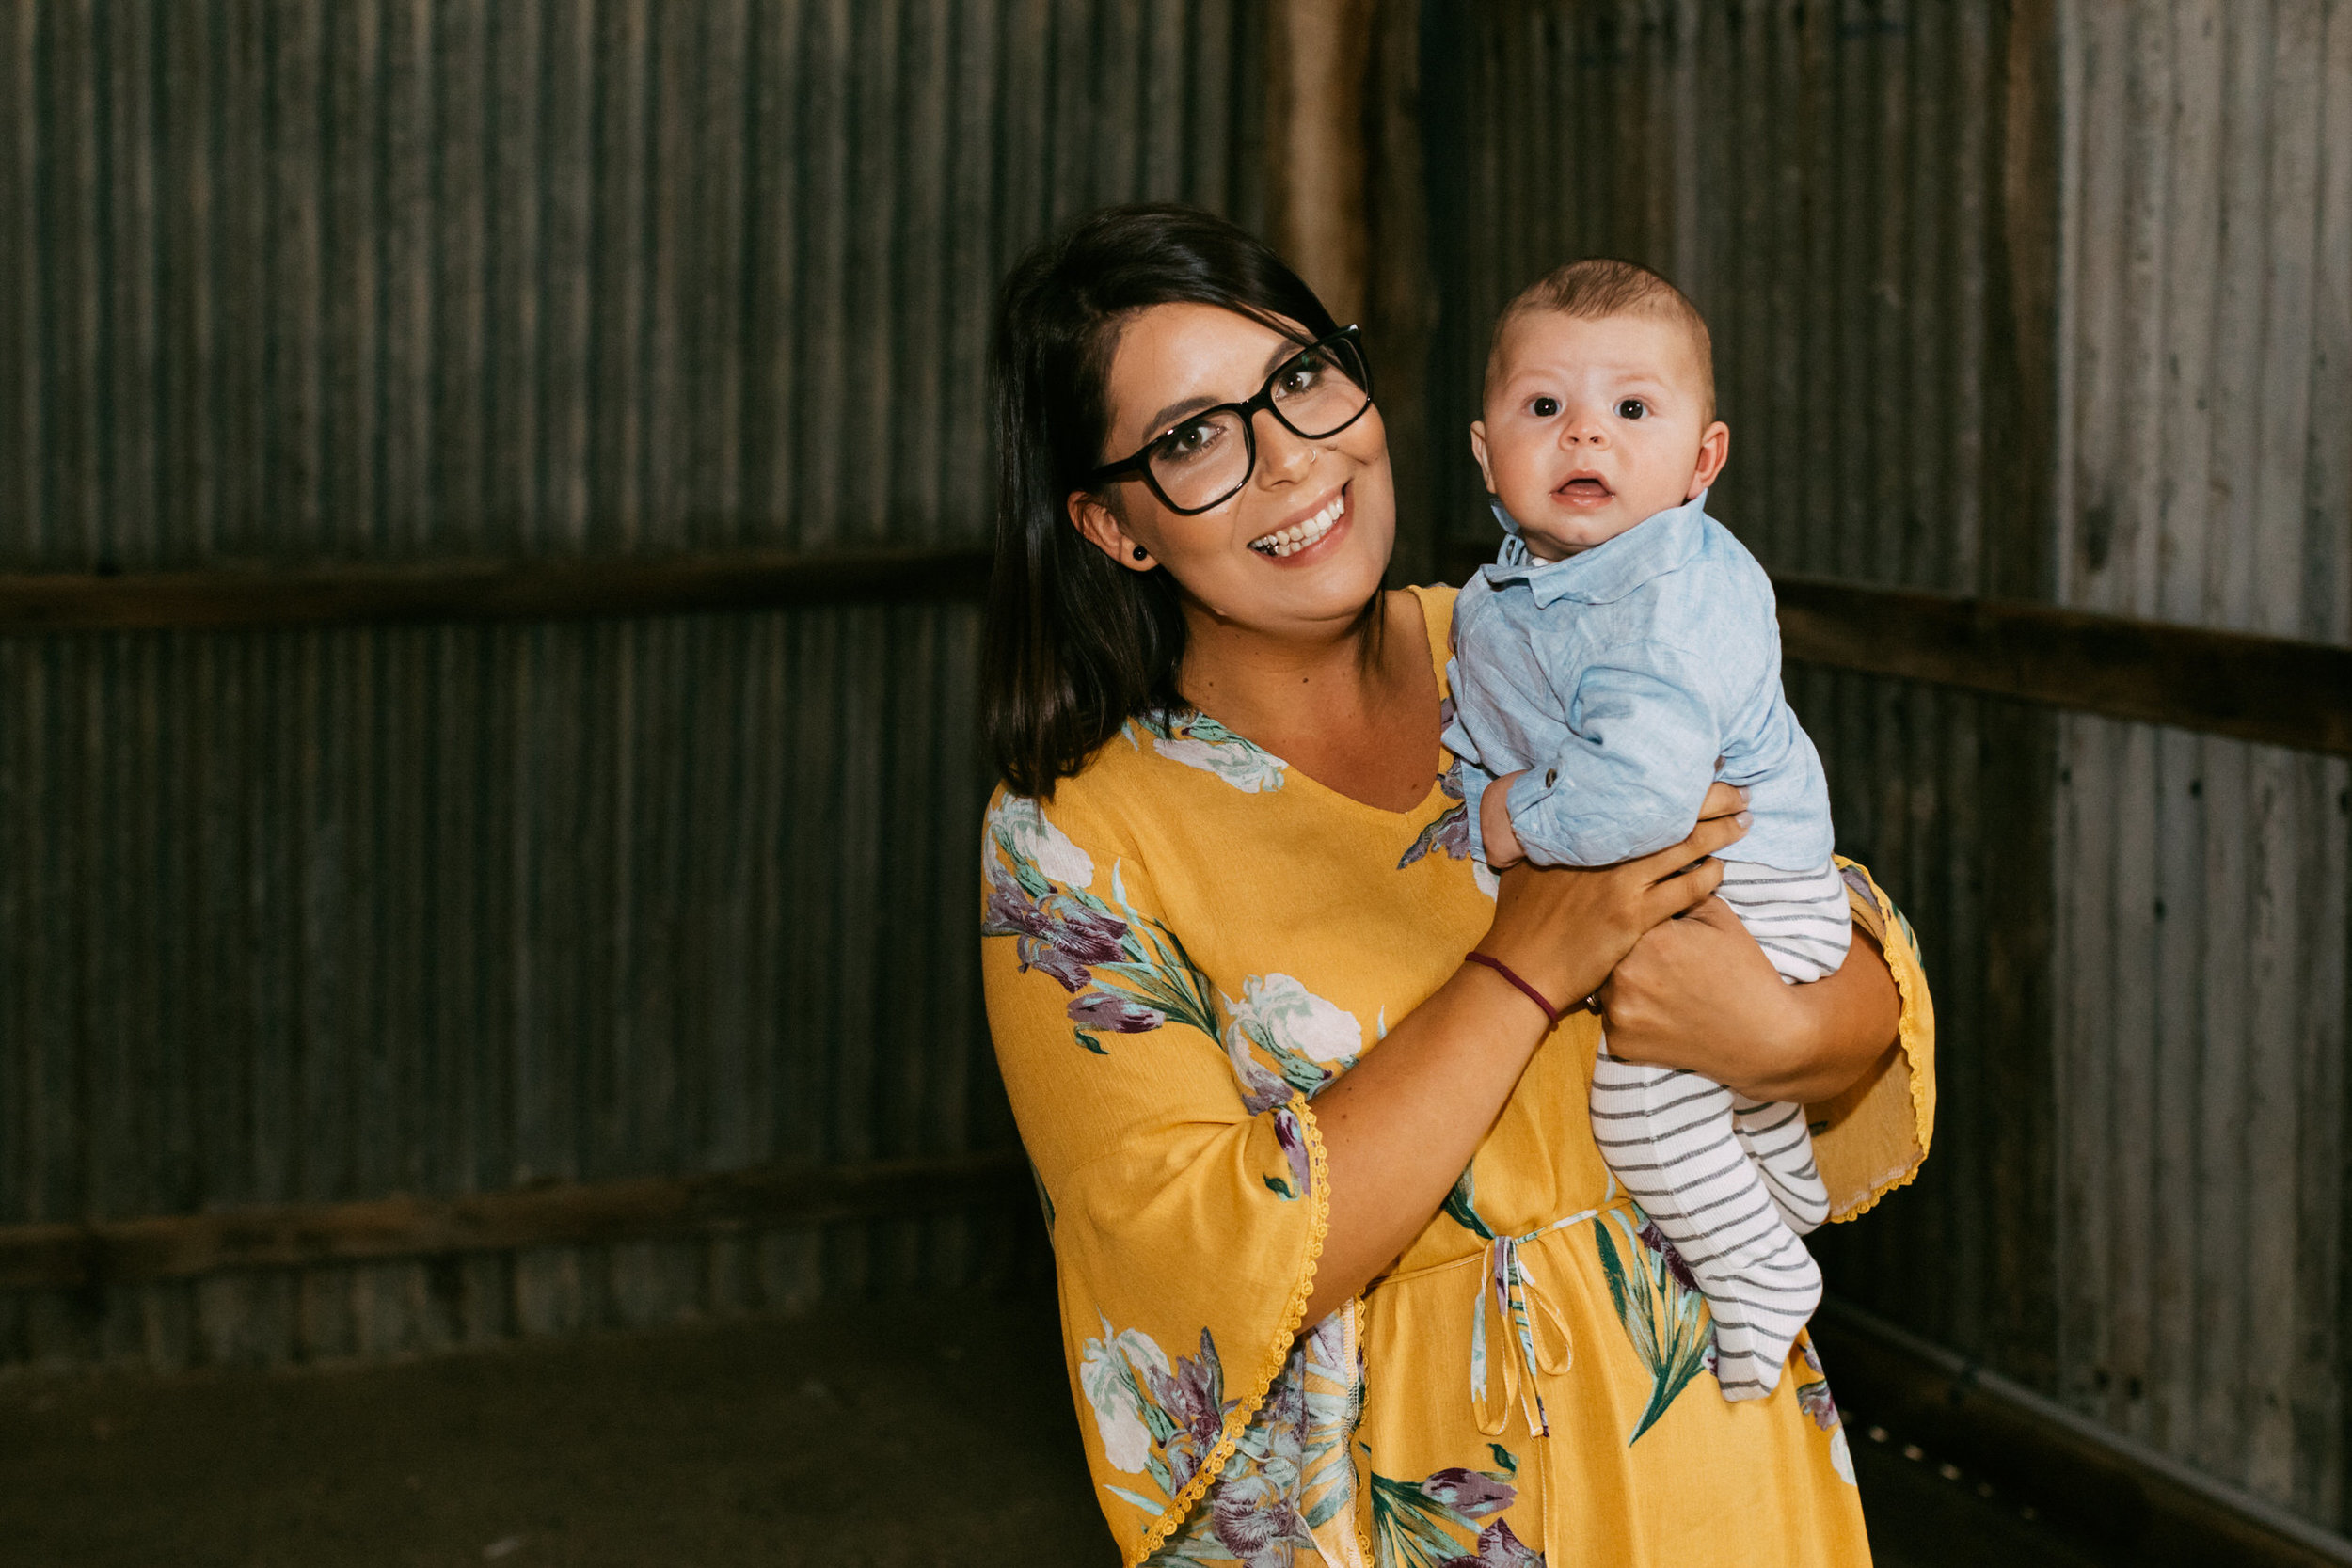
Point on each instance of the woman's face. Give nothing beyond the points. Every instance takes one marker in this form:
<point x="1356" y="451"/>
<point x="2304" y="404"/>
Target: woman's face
<point x="1255" y="560"/>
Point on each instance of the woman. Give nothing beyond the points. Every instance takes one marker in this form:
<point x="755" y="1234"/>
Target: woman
<point x="1344" y="1280"/>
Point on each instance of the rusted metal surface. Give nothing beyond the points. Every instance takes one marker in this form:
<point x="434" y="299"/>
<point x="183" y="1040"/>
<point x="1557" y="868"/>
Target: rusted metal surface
<point x="312" y="916"/>
<point x="2206" y="478"/>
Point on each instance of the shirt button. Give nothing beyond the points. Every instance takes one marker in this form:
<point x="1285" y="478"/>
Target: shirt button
<point x="1551" y="776"/>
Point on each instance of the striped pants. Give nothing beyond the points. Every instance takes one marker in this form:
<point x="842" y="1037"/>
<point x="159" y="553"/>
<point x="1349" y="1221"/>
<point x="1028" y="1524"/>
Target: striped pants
<point x="1731" y="1180"/>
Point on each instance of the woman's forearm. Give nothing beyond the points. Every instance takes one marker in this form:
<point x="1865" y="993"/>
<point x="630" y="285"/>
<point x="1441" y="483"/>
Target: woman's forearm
<point x="1698" y="993"/>
<point x="1401" y="1126"/>
<point x="1842" y="1023"/>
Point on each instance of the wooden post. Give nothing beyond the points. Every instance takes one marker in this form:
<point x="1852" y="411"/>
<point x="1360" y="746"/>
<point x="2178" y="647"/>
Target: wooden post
<point x="1401" y="290"/>
<point x="2016" y="781"/>
<point x="1318" y="55"/>
<point x="1346" y="207"/>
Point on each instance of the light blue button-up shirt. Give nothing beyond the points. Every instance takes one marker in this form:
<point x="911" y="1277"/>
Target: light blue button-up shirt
<point x="1615" y="678"/>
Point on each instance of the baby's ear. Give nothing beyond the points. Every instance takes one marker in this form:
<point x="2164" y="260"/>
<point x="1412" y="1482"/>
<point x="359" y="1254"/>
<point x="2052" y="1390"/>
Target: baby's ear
<point x="1478" y="449"/>
<point x="1714" y="451"/>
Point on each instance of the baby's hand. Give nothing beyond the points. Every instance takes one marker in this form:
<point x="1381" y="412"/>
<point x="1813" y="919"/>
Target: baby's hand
<point x="1494" y="825"/>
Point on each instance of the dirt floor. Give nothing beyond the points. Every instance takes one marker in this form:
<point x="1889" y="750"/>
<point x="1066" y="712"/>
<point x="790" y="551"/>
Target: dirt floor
<point x="878" y="1435"/>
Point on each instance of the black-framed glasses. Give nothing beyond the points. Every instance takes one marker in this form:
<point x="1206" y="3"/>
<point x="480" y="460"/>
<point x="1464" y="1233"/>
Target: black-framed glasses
<point x="1203" y="459"/>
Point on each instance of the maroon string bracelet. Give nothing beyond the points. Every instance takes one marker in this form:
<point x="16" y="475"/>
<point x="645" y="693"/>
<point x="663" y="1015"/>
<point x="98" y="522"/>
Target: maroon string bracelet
<point x="1554" y="1014"/>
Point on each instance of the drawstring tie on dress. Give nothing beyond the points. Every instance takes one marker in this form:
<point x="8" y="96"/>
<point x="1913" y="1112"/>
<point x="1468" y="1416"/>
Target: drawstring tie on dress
<point x="1538" y="1333"/>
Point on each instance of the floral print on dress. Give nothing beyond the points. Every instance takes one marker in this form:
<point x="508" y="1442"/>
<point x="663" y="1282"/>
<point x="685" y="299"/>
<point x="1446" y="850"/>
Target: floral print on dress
<point x="1196" y="740"/>
<point x="1283" y="1037"/>
<point x="1291" y="1470"/>
<point x="1659" y="1303"/>
<point x="1293" y="1139"/>
<point x="1127" y="974"/>
<point x="1813" y="1397"/>
<point x="1156" y="1419"/>
<point x="1461" y="1205"/>
<point x="1448" y="832"/>
<point x="1414" y="1523"/>
<point x="1859" y="881"/>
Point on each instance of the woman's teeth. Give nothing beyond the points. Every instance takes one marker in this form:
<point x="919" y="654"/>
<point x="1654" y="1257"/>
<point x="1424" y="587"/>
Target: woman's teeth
<point x="1297" y="537"/>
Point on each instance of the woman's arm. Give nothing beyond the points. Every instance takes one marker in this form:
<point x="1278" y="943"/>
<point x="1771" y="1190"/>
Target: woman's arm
<point x="1699" y="993"/>
<point x="1400" y="1127"/>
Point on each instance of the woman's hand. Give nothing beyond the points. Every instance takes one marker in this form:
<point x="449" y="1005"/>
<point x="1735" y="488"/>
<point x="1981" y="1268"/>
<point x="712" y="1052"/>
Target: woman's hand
<point x="1699" y="993"/>
<point x="1564" y="928"/>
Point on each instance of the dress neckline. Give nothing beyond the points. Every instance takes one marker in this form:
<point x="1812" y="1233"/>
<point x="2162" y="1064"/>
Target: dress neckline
<point x="1434" y="634"/>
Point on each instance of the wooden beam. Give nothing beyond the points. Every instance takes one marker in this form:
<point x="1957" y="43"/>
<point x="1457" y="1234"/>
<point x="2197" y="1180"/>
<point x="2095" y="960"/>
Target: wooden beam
<point x="1318" y="57"/>
<point x="2128" y="1502"/>
<point x="2261" y="689"/>
<point x="2267" y="690"/>
<point x="234" y="598"/>
<point x="183" y="1247"/>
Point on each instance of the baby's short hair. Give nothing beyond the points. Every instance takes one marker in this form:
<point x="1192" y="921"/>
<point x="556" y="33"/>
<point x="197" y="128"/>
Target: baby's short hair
<point x="1599" y="287"/>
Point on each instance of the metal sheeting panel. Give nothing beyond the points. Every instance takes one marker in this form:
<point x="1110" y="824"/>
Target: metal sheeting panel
<point x="464" y="276"/>
<point x="1820" y="179"/>
<point x="327" y="915"/>
<point x="320" y="916"/>
<point x="2202" y="918"/>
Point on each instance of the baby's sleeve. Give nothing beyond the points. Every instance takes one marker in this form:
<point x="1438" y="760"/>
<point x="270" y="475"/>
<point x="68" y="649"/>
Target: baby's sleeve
<point x="1632" y="767"/>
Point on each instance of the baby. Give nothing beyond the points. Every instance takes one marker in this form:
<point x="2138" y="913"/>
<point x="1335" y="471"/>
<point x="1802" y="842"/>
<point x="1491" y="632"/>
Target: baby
<point x="1620" y="656"/>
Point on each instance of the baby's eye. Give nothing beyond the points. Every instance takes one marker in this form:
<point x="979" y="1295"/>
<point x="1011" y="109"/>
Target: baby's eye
<point x="1545" y="409"/>
<point x="1631" y="408"/>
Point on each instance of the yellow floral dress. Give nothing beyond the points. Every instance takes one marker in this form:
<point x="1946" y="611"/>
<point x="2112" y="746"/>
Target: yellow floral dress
<point x="1183" y="947"/>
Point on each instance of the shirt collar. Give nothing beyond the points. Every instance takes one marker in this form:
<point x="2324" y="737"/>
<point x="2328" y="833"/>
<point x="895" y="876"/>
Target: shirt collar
<point x="1608" y="571"/>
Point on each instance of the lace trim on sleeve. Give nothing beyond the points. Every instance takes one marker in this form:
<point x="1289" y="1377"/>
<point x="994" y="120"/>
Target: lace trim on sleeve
<point x="1916" y="1030"/>
<point x="1278" y="1354"/>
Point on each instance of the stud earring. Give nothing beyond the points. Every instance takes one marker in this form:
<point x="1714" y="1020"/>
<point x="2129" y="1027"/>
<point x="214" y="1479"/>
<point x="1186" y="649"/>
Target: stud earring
<point x="1142" y="554"/>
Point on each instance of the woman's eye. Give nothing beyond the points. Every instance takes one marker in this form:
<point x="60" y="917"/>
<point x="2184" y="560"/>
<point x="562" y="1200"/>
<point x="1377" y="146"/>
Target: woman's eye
<point x="1299" y="375"/>
<point x="1188" y="441"/>
<point x="1631" y="408"/>
<point x="1545" y="409"/>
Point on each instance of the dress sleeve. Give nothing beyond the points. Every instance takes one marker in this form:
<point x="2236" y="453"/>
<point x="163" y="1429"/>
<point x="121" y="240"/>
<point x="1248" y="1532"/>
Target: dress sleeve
<point x="1181" y="1168"/>
<point x="1873" y="1138"/>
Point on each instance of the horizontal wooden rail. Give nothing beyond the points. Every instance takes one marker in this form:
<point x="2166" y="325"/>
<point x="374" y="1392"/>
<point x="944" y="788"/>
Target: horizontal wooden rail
<point x="2263" y="688"/>
<point x="2125" y="1502"/>
<point x="2260" y="688"/>
<point x="182" y="1246"/>
<point x="236" y="598"/>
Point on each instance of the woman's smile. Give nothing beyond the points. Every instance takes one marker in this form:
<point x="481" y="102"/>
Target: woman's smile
<point x="1294" y="541"/>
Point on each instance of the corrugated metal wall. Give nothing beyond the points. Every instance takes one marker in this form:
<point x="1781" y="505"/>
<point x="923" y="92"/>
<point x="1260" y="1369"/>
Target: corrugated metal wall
<point x="330" y="915"/>
<point x="2206" y="478"/>
<point x="2047" y="302"/>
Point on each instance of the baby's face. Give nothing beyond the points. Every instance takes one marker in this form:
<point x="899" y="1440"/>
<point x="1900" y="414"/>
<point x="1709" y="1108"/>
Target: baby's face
<point x="1592" y="426"/>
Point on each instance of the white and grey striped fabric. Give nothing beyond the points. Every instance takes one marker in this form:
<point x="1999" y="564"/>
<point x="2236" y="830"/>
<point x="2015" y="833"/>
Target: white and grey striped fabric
<point x="1731" y="1180"/>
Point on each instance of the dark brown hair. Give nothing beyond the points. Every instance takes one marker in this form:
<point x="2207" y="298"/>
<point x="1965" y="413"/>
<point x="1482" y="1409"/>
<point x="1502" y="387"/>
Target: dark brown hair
<point x="1598" y="288"/>
<point x="1075" y="644"/>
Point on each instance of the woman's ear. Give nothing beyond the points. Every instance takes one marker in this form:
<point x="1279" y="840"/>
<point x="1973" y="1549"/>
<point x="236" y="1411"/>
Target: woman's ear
<point x="1714" y="451"/>
<point x="1099" y="526"/>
